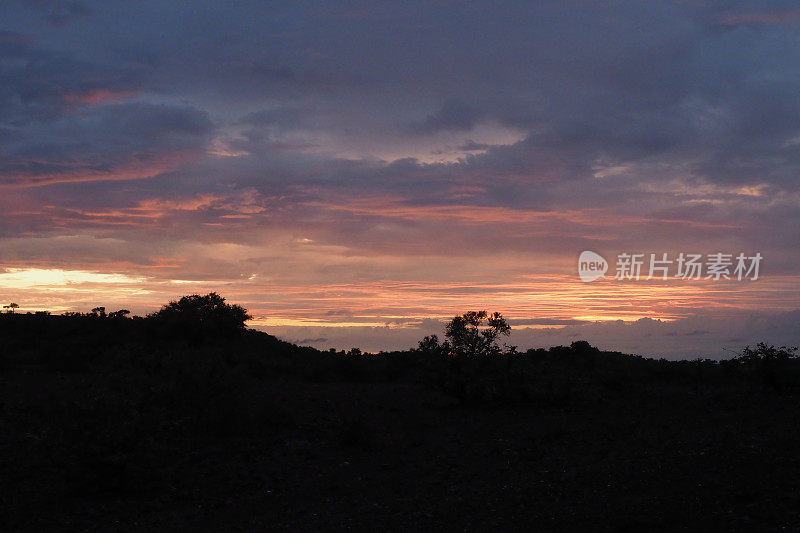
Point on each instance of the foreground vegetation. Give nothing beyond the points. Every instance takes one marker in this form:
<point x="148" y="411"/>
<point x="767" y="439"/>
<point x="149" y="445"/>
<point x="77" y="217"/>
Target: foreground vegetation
<point x="186" y="419"/>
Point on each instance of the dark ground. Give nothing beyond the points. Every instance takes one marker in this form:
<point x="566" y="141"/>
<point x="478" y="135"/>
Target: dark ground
<point x="108" y="426"/>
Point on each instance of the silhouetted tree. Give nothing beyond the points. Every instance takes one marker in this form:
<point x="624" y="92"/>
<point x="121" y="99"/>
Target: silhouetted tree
<point x="11" y="307"/>
<point x="431" y="345"/>
<point x="197" y="313"/>
<point x="122" y="313"/>
<point x="771" y="363"/>
<point x="583" y="347"/>
<point x="99" y="311"/>
<point x="767" y="352"/>
<point x="467" y="338"/>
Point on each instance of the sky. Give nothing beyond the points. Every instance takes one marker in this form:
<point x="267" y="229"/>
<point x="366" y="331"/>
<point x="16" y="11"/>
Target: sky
<point x="356" y="173"/>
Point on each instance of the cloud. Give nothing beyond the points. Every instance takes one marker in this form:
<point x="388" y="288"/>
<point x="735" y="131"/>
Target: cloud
<point x="376" y="160"/>
<point x="758" y="18"/>
<point x="452" y="115"/>
<point x="58" y="12"/>
<point x="64" y="12"/>
<point x="112" y="142"/>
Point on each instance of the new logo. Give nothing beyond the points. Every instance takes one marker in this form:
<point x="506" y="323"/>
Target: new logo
<point x="591" y="266"/>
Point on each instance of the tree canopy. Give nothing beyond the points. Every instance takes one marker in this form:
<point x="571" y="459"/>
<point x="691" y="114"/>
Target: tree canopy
<point x="208" y="312"/>
<point x="474" y="333"/>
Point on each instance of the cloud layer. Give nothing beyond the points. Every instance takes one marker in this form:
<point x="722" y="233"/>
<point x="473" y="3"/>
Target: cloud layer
<point x="373" y="166"/>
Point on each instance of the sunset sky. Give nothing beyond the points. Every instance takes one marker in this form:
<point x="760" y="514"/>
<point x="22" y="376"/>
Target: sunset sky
<point x="354" y="173"/>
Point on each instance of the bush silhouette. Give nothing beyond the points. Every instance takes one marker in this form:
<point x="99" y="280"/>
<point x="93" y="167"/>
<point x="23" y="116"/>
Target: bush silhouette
<point x="771" y="364"/>
<point x="430" y="345"/>
<point x="767" y="352"/>
<point x="199" y="315"/>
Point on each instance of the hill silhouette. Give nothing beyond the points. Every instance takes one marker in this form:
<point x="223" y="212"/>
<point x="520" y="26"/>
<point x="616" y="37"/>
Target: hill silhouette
<point x="185" y="419"/>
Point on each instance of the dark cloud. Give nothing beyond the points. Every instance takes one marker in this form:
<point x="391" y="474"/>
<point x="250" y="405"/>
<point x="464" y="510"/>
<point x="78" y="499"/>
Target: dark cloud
<point x="472" y="146"/>
<point x="452" y="115"/>
<point x="64" y="12"/>
<point x="625" y="82"/>
<point x="284" y="117"/>
<point x="308" y="341"/>
<point x="40" y="85"/>
<point x="58" y="12"/>
<point x="102" y="142"/>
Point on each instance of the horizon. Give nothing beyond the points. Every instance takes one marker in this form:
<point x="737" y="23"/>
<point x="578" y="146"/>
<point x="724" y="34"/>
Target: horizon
<point x="559" y="338"/>
<point x="357" y="174"/>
